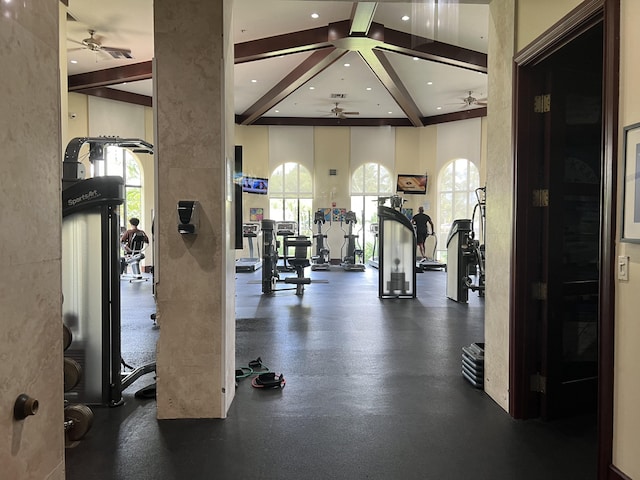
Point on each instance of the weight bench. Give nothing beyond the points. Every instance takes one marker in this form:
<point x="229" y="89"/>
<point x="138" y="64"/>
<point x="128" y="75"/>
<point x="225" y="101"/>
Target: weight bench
<point x="298" y="262"/>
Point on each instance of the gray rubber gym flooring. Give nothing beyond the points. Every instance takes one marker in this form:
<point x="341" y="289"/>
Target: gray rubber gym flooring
<point x="373" y="391"/>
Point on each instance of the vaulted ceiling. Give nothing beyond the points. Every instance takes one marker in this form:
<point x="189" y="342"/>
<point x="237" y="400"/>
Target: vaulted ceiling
<point x="356" y="63"/>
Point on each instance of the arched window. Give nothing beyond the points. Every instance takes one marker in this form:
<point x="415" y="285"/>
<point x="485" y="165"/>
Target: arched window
<point x="368" y="182"/>
<point x="121" y="162"/>
<point x="291" y="196"/>
<point x="457" y="184"/>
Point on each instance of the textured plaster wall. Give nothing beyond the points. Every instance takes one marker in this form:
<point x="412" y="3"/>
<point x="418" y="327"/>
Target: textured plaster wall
<point x="30" y="278"/>
<point x="195" y="277"/>
<point x="499" y="181"/>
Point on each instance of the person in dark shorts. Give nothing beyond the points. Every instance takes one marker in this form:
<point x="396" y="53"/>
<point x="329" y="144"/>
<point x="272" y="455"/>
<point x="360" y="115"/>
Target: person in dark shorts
<point x="421" y="220"/>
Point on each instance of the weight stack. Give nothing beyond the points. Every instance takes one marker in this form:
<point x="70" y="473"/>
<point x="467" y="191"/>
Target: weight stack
<point x="473" y="364"/>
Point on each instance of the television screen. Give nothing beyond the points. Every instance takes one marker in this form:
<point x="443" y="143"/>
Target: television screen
<point x="412" y="184"/>
<point x="255" y="185"/>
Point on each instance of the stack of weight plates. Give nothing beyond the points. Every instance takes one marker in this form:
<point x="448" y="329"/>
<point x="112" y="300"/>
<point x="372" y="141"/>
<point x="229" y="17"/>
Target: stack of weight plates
<point x="473" y="364"/>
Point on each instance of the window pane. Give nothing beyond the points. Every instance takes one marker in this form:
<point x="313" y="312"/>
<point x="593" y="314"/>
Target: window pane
<point x="306" y="182"/>
<point x="275" y="182"/>
<point x="276" y="209"/>
<point x="357" y="181"/>
<point x="306" y="217"/>
<point x="446" y="179"/>
<point x="372" y="177"/>
<point x="461" y="177"/>
<point x="114" y="164"/>
<point x="133" y="202"/>
<point x="474" y="176"/>
<point x="291" y="210"/>
<point x="133" y="176"/>
<point x="290" y="178"/>
<point x="386" y="182"/>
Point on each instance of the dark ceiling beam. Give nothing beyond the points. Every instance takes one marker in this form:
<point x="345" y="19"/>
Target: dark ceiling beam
<point x="119" y="95"/>
<point x="405" y="43"/>
<point x="331" y="121"/>
<point x="294" y="42"/>
<point x="455" y="116"/>
<point x="368" y="122"/>
<point x="382" y="69"/>
<point x="309" y="68"/>
<point x="111" y="76"/>
<point x="392" y="40"/>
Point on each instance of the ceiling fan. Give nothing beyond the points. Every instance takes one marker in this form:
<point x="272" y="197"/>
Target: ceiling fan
<point x="470" y="101"/>
<point x="94" y="44"/>
<point x="341" y="113"/>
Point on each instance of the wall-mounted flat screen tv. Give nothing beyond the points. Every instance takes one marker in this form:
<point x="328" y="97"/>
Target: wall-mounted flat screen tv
<point x="255" y="185"/>
<point x="412" y="184"/>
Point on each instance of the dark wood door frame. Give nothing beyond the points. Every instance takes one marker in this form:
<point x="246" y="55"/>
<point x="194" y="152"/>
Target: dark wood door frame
<point x="587" y="14"/>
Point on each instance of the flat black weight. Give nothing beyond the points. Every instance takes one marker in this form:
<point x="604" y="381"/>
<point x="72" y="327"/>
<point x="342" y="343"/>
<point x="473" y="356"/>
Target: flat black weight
<point x="78" y="420"/>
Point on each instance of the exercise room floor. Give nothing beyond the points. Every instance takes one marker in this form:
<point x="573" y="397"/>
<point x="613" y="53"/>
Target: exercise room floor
<point x="373" y="391"/>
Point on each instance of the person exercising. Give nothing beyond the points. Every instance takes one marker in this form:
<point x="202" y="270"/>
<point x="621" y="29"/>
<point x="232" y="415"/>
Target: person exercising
<point x="126" y="241"/>
<point x="421" y="220"/>
<point x="127" y="237"/>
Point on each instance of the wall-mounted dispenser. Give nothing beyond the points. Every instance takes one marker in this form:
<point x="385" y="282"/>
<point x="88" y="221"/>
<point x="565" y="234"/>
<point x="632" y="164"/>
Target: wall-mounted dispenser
<point x="188" y="217"/>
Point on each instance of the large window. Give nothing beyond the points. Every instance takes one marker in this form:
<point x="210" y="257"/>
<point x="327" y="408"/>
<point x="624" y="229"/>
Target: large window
<point x="120" y="161"/>
<point x="368" y="182"/>
<point x="457" y="183"/>
<point x="291" y="196"/>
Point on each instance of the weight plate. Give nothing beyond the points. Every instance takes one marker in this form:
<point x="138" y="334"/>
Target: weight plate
<point x="67" y="337"/>
<point x="82" y="418"/>
<point x="72" y="374"/>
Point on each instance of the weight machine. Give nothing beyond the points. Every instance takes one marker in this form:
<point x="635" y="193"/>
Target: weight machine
<point x="397" y="260"/>
<point x="466" y="255"/>
<point x="270" y="270"/>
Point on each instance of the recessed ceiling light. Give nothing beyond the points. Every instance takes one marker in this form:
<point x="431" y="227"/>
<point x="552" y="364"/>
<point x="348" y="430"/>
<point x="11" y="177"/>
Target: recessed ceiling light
<point x="312" y="88"/>
<point x="347" y="64"/>
<point x="438" y="108"/>
<point x="389" y="113"/>
<point x="368" y="88"/>
<point x="315" y="15"/>
<point x="74" y="61"/>
<point x="277" y="111"/>
<point x="429" y="83"/>
<point x="416" y="58"/>
<point x="254" y="81"/>
<point x="405" y="18"/>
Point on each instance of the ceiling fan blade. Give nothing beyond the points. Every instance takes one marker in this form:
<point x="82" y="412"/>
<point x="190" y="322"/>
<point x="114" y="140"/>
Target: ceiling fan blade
<point x="351" y="113"/>
<point x="75" y="49"/>
<point x="74" y="41"/>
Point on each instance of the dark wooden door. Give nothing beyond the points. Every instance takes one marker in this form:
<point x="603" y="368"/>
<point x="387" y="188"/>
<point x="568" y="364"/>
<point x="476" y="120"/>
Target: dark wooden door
<point x="570" y="207"/>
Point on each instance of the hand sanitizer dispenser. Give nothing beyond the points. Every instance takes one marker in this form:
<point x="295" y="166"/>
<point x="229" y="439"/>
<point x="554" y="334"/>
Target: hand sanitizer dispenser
<point x="188" y="213"/>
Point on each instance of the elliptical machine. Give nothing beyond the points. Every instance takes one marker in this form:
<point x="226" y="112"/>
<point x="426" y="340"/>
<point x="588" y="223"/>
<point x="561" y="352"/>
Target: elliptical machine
<point x="350" y="260"/>
<point x="320" y="261"/>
